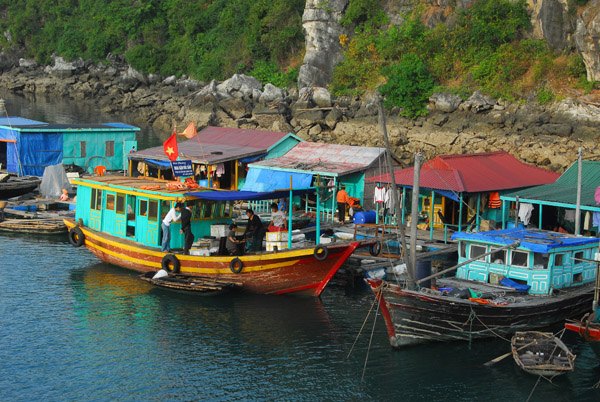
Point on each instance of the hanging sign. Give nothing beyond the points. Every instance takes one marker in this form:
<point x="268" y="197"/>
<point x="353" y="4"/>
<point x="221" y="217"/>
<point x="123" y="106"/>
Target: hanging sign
<point x="182" y="168"/>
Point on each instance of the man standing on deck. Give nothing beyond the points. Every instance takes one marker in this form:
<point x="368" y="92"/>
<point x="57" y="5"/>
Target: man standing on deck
<point x="165" y="225"/>
<point x="342" y="200"/>
<point x="186" y="228"/>
<point x="255" y="227"/>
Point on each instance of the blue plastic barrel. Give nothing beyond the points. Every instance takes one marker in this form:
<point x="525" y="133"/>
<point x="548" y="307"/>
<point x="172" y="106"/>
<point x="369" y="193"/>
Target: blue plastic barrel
<point x="423" y="270"/>
<point x="365" y="217"/>
<point x="511" y="224"/>
<point x="203" y="183"/>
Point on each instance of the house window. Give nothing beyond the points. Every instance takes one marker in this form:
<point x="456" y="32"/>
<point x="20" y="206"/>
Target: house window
<point x="110" y="148"/>
<point x="82" y="149"/>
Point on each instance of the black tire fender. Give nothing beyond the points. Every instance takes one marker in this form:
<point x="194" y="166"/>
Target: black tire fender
<point x="76" y="237"/>
<point x="375" y="249"/>
<point x="236" y="265"/>
<point x="321" y="252"/>
<point x="171" y="260"/>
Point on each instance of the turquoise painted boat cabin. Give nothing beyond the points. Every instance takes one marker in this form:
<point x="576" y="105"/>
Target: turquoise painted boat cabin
<point x="28" y="146"/>
<point x="542" y="259"/>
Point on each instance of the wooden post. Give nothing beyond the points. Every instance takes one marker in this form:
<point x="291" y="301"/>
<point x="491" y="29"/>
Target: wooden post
<point x="578" y="205"/>
<point x="410" y="266"/>
<point x="415" y="216"/>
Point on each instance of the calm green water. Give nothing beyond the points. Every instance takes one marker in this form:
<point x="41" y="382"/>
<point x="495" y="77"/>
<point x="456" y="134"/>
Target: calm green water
<point x="74" y="329"/>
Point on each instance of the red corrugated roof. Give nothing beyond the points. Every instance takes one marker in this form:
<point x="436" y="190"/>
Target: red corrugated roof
<point x="472" y="173"/>
<point x="219" y="144"/>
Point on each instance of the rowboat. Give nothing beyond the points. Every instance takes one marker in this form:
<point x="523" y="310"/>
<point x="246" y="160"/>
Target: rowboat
<point x="205" y="286"/>
<point x="541" y="353"/>
<point x="15" y="186"/>
<point x="132" y="239"/>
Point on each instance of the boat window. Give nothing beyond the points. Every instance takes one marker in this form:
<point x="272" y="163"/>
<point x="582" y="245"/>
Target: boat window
<point x="208" y="208"/>
<point x="227" y="209"/>
<point x="462" y="249"/>
<point x="477" y="251"/>
<point x="519" y="258"/>
<point x="577" y="257"/>
<point x="498" y="256"/>
<point x="121" y="204"/>
<point x="153" y="210"/>
<point x="559" y="259"/>
<point x="165" y="206"/>
<point x="110" y="202"/>
<point x="540" y="260"/>
<point x="96" y="199"/>
<point x="197" y="210"/>
<point x="143" y="208"/>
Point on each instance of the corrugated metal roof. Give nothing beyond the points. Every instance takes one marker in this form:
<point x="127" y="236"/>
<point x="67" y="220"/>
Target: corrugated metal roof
<point x="564" y="190"/>
<point x="473" y="173"/>
<point x="219" y="144"/>
<point x="319" y="158"/>
<point x="28" y="126"/>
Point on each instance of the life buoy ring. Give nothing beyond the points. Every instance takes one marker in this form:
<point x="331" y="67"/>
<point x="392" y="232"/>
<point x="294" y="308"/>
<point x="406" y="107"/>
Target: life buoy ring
<point x="76" y="237"/>
<point x="321" y="252"/>
<point x="375" y="249"/>
<point x="168" y="260"/>
<point x="236" y="265"/>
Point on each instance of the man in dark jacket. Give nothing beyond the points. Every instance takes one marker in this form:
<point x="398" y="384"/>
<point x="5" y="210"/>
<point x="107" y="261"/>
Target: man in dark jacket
<point x="255" y="227"/>
<point x="186" y="227"/>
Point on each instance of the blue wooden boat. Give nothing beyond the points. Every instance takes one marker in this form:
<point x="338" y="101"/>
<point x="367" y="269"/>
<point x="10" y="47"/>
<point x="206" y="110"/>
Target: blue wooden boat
<point x="507" y="281"/>
<point x="119" y="220"/>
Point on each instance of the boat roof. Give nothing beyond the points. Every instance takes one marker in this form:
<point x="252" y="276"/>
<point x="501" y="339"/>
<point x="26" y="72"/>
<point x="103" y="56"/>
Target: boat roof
<point x="473" y="173"/>
<point x="31" y="126"/>
<point x="146" y="186"/>
<point x="319" y="158"/>
<point x="536" y="240"/>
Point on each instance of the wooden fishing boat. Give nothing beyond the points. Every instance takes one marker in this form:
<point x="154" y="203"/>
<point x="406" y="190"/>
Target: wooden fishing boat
<point x="15" y="186"/>
<point x="541" y="353"/>
<point x="102" y="224"/>
<point x="588" y="329"/>
<point x="205" y="286"/>
<point x="554" y="278"/>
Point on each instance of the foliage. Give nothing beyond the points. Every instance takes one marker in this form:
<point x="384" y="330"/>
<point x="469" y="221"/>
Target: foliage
<point x="409" y="85"/>
<point x="206" y="39"/>
<point x="364" y="13"/>
<point x="545" y="95"/>
<point x="268" y="72"/>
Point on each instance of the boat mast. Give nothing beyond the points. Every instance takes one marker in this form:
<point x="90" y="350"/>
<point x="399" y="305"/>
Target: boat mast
<point x="409" y="264"/>
<point x="414" y="214"/>
<point x="578" y="205"/>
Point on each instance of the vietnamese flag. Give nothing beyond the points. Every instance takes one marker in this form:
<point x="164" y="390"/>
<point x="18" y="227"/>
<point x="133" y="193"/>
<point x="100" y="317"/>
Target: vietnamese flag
<point x="170" y="147"/>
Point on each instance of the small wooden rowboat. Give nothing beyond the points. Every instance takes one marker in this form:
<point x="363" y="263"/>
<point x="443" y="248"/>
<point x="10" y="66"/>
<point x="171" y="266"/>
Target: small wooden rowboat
<point x="34" y="226"/>
<point x="541" y="353"/>
<point x="192" y="284"/>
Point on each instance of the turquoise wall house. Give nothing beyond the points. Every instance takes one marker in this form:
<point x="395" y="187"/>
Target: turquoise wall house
<point x="28" y="146"/>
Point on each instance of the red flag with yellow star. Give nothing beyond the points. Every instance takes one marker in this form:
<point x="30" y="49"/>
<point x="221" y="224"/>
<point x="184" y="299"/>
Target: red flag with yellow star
<point x="170" y="147"/>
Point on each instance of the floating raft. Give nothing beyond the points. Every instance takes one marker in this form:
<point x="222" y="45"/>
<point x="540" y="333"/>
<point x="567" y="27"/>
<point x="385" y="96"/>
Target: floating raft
<point x="541" y="353"/>
<point x="34" y="226"/>
<point x="192" y="284"/>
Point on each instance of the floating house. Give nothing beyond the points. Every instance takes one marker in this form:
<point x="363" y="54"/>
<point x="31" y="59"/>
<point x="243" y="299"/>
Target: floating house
<point x="28" y="146"/>
<point x="465" y="189"/>
<point x="333" y="165"/>
<point x="553" y="206"/>
<point x="219" y="155"/>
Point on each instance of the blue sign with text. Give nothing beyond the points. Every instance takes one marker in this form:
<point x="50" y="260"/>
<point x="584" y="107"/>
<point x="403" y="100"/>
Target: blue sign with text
<point x="182" y="168"/>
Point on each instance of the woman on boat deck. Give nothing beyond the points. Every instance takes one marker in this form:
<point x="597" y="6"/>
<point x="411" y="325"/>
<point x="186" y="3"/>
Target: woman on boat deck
<point x="233" y="245"/>
<point x="278" y="222"/>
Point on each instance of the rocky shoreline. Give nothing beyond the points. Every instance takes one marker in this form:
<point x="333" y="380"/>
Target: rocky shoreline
<point x="543" y="135"/>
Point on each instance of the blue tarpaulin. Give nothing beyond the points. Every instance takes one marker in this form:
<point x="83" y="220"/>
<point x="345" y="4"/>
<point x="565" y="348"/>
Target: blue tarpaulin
<point x="253" y="158"/>
<point x="247" y="195"/>
<point x="260" y="180"/>
<point x="536" y="240"/>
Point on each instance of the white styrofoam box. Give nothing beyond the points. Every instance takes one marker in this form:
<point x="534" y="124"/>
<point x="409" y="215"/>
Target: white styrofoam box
<point x="597" y="256"/>
<point x="299" y="244"/>
<point x="200" y="251"/>
<point x="325" y="240"/>
<point x="219" y="230"/>
<point x="279" y="244"/>
<point x="298" y="237"/>
<point x="277" y="236"/>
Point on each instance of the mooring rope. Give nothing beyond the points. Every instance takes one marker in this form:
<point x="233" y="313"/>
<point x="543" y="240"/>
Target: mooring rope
<point x="380" y="288"/>
<point x="378" y="298"/>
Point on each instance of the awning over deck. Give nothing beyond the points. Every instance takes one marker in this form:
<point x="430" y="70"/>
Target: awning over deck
<point x="261" y="180"/>
<point x="247" y="195"/>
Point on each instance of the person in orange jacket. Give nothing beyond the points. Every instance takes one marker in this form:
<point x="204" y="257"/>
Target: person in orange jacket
<point x="342" y="200"/>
